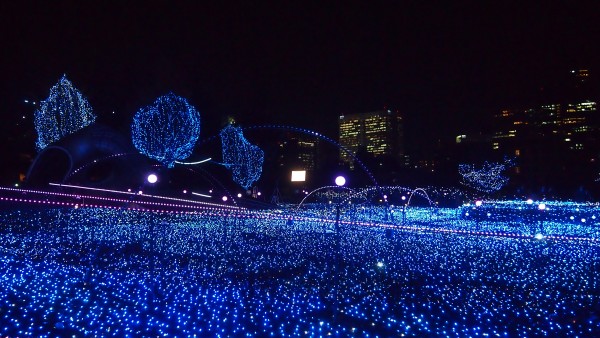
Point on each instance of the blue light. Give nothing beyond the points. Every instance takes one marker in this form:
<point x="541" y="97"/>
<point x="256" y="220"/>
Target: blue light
<point x="244" y="159"/>
<point x="167" y="130"/>
<point x="64" y="112"/>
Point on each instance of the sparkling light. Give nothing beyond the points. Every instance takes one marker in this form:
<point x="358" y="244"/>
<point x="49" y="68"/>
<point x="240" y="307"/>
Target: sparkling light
<point x="167" y="130"/>
<point x="98" y="270"/>
<point x="64" y="112"/>
<point x="244" y="159"/>
<point x="488" y="178"/>
<point x="152" y="178"/>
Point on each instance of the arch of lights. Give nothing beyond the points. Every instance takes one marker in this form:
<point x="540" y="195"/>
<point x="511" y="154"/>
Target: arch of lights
<point x="325" y="188"/>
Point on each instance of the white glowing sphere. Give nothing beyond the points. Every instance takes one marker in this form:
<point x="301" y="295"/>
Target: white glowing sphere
<point x="224" y="198"/>
<point x="478" y="203"/>
<point x="152" y="178"/>
<point x="340" y="181"/>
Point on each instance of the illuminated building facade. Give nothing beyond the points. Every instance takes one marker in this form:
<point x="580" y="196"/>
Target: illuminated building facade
<point x="376" y="134"/>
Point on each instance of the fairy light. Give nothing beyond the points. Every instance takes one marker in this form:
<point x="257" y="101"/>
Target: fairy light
<point x="488" y="178"/>
<point x="244" y="159"/>
<point x="64" y="112"/>
<point x="213" y="271"/>
<point x="166" y="130"/>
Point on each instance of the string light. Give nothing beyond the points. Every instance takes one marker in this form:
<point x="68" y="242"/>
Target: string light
<point x="87" y="267"/>
<point x="64" y="112"/>
<point x="244" y="159"/>
<point x="488" y="178"/>
<point x="166" y="130"/>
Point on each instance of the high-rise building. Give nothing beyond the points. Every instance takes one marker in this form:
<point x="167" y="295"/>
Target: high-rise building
<point x="299" y="153"/>
<point x="378" y="134"/>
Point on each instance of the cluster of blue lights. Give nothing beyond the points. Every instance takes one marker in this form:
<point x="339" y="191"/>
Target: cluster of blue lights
<point x="244" y="159"/>
<point x="183" y="269"/>
<point x="488" y="178"/>
<point x="167" y="130"/>
<point x="64" y="112"/>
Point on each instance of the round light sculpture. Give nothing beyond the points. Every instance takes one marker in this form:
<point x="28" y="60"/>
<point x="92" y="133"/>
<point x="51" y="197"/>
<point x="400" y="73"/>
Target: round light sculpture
<point x="152" y="178"/>
<point x="340" y="181"/>
<point x="224" y="199"/>
<point x="542" y="206"/>
<point x="478" y="203"/>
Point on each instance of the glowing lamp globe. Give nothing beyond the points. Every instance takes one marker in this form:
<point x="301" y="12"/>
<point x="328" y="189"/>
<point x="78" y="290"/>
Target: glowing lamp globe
<point x="152" y="178"/>
<point x="542" y="206"/>
<point x="340" y="181"/>
<point x="478" y="203"/>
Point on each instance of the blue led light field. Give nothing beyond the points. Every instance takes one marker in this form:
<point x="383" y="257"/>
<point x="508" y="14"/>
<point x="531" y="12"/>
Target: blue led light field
<point x="496" y="268"/>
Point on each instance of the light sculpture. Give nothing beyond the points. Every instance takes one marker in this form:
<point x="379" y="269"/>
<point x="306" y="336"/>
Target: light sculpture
<point x="244" y="159"/>
<point x="488" y="178"/>
<point x="166" y="130"/>
<point x="64" y="112"/>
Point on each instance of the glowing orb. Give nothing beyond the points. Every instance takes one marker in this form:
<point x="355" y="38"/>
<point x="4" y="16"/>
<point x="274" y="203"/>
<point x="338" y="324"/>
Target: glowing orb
<point x="152" y="178"/>
<point x="340" y="181"/>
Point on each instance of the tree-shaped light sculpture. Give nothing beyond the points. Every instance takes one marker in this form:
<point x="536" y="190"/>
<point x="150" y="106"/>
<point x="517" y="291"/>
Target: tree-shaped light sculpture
<point x="244" y="159"/>
<point x="166" y="130"/>
<point x="64" y="112"/>
<point x="488" y="178"/>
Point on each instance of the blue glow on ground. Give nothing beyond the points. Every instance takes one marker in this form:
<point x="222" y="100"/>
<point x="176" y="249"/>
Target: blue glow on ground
<point x="215" y="271"/>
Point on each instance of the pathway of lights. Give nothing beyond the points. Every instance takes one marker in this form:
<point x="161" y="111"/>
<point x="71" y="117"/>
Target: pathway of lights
<point x="98" y="271"/>
<point x="64" y="112"/>
<point x="167" y="130"/>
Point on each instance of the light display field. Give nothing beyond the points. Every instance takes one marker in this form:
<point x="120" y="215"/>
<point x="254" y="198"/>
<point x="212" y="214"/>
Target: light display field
<point x="492" y="269"/>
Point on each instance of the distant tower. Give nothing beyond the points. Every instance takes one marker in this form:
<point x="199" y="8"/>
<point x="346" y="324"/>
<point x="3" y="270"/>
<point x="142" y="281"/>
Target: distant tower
<point x="379" y="134"/>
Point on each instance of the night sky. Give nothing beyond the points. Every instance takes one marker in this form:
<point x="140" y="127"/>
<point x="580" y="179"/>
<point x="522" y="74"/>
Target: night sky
<point x="446" y="67"/>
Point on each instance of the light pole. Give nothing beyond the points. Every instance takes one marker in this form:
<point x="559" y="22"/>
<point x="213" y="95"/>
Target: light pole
<point x="340" y="181"/>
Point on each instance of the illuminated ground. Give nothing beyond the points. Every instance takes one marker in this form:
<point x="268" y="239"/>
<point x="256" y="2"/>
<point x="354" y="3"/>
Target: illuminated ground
<point x="99" y="272"/>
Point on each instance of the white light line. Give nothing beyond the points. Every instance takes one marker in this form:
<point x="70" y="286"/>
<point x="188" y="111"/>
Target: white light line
<point x="202" y="195"/>
<point x="192" y="163"/>
<point x="153" y="196"/>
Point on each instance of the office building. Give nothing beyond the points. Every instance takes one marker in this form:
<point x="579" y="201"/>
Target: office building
<point x="376" y="134"/>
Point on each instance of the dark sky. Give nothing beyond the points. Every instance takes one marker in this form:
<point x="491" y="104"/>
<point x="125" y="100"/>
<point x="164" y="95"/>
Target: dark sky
<point x="444" y="65"/>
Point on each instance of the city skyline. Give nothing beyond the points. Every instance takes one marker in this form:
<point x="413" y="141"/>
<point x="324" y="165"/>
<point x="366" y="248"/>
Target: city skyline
<point x="274" y="62"/>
